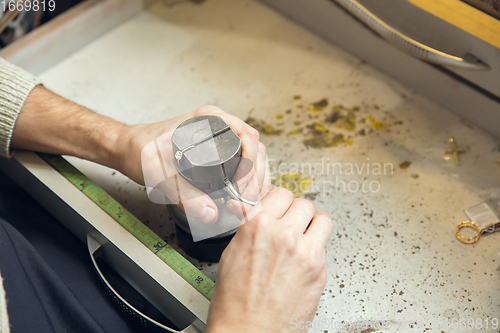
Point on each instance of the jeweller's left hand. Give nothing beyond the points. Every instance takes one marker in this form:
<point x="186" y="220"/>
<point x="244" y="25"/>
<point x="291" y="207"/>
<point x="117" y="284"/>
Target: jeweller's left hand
<point x="252" y="176"/>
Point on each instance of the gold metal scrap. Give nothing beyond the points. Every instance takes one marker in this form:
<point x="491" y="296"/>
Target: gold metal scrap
<point x="454" y="150"/>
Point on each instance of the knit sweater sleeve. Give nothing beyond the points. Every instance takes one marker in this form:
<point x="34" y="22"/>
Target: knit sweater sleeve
<point x="15" y="85"/>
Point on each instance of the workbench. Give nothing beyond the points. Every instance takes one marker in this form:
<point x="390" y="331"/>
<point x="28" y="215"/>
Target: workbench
<point x="393" y="255"/>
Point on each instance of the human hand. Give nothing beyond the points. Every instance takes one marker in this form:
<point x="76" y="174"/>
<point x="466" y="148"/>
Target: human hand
<point x="273" y="271"/>
<point x="252" y="181"/>
<point x="53" y="124"/>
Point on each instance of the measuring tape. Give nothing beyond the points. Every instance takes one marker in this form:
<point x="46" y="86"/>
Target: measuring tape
<point x="128" y="221"/>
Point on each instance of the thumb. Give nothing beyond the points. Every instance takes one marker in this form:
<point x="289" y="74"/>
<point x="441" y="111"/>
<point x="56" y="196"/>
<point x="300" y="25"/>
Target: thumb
<point x="194" y="202"/>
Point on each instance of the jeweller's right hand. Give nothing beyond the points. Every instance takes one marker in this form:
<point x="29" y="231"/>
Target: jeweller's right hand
<point x="273" y="272"/>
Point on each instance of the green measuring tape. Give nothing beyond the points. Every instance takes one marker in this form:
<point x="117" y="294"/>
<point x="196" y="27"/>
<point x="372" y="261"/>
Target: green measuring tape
<point x="128" y="221"/>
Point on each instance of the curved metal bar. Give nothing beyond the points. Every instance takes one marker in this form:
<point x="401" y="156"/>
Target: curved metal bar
<point x="409" y="45"/>
<point x="235" y="195"/>
<point x="93" y="247"/>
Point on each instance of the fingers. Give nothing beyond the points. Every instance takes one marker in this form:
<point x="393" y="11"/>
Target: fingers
<point x="251" y="190"/>
<point x="160" y="175"/>
<point x="260" y="165"/>
<point x="320" y="229"/>
<point x="254" y="155"/>
<point x="262" y="168"/>
<point x="242" y="211"/>
<point x="246" y="181"/>
<point x="253" y="177"/>
<point x="300" y="214"/>
<point x="254" y="181"/>
<point x="250" y="178"/>
<point x="249" y="143"/>
<point x="249" y="136"/>
<point x="193" y="201"/>
<point x="276" y="202"/>
<point x="266" y="184"/>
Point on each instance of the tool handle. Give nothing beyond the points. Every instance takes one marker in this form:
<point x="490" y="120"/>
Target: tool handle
<point x="231" y="190"/>
<point x="409" y="45"/>
<point x="153" y="326"/>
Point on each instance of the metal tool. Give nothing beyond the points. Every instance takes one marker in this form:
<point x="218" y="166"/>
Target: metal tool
<point x="235" y="194"/>
<point x="408" y="45"/>
<point x="207" y="153"/>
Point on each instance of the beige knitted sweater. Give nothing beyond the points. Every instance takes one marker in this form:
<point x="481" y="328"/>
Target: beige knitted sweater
<point x="15" y="85"/>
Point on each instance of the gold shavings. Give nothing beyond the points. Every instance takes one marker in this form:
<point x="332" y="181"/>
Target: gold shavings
<point x="295" y="182"/>
<point x="346" y="119"/>
<point x="333" y="117"/>
<point x="294" y="132"/>
<point x="320" y="136"/>
<point x="446" y="158"/>
<point x="315" y="143"/>
<point x="320" y="128"/>
<point x="311" y="196"/>
<point x="263" y="127"/>
<point x="377" y="124"/>
<point x="337" y="139"/>
<point x="317" y="130"/>
<point x="318" y="106"/>
<point x="349" y="121"/>
<point x="326" y="141"/>
<point x="405" y="165"/>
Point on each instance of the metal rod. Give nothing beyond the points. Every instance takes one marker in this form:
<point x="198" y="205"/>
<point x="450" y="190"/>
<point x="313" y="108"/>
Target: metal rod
<point x="235" y="195"/>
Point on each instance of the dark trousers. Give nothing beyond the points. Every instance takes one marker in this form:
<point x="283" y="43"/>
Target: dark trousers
<point x="49" y="280"/>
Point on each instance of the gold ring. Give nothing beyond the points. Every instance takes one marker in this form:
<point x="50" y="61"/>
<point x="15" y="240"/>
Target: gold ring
<point x="468" y="224"/>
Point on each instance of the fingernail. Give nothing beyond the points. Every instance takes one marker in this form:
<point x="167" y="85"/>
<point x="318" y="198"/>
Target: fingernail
<point x="242" y="187"/>
<point x="207" y="215"/>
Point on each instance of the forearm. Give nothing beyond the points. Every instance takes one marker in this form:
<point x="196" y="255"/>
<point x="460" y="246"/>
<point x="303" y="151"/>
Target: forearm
<point x="52" y="124"/>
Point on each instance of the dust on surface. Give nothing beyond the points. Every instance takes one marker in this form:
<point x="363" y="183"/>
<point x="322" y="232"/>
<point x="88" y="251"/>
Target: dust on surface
<point x="321" y="125"/>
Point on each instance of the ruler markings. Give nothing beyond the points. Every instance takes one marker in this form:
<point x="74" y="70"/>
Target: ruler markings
<point x="128" y="221"/>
